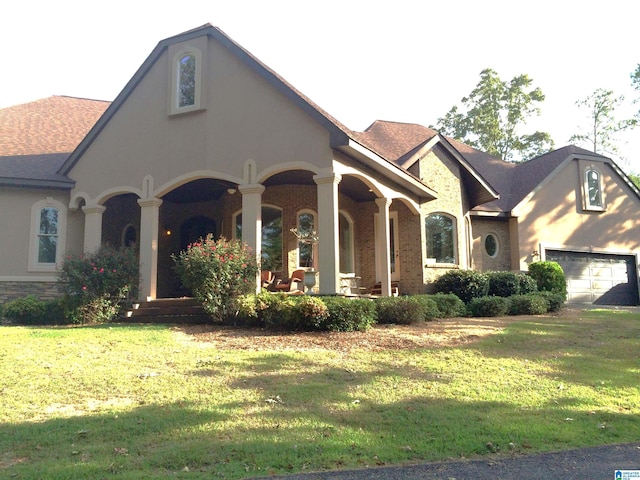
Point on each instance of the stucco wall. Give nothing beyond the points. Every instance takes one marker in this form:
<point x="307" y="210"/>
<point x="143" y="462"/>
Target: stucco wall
<point x="554" y="215"/>
<point x="245" y="118"/>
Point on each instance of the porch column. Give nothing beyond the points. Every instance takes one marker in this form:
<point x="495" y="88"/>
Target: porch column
<point x="252" y="220"/>
<point x="384" y="245"/>
<point x="93" y="226"/>
<point x="149" y="223"/>
<point x="328" y="232"/>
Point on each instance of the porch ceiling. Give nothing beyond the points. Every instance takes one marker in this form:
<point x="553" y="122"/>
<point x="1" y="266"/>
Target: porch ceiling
<point x="201" y="190"/>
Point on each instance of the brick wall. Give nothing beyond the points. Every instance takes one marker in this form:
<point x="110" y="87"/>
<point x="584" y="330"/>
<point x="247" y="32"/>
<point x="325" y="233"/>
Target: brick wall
<point x="481" y="259"/>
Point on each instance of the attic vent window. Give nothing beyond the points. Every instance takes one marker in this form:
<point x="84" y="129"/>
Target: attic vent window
<point x="187" y="81"/>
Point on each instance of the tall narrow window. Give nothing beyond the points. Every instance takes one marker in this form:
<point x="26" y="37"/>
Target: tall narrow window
<point x="346" y="244"/>
<point x="593" y="189"/>
<point x="271" y="239"/>
<point x="48" y="235"/>
<point x="440" y="234"/>
<point x="187" y="80"/>
<point x="306" y="244"/>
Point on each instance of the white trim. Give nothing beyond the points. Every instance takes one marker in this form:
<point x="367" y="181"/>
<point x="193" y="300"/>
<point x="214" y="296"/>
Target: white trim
<point x="32" y="264"/>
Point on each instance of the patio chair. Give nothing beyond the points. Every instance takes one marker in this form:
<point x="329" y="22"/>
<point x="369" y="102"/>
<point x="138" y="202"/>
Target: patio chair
<point x="291" y="284"/>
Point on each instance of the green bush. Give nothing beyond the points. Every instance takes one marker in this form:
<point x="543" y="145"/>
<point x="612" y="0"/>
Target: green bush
<point x="549" y="277"/>
<point x="489" y="306"/>
<point x="217" y="272"/>
<point x="449" y="305"/>
<point x="531" y="304"/>
<point x="465" y="284"/>
<point x="527" y="284"/>
<point x="406" y="310"/>
<point x="98" y="286"/>
<point x="30" y="310"/>
<point x="348" y="314"/>
<point x="503" y="284"/>
<point x="555" y="301"/>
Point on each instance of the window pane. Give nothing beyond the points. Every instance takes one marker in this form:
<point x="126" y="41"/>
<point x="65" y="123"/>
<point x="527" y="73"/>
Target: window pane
<point x="440" y="236"/>
<point x="306" y="227"/>
<point x="47" y="249"/>
<point x="593" y="184"/>
<point x="187" y="81"/>
<point x="271" y="239"/>
<point x="49" y="221"/>
<point x="238" y="231"/>
<point x="346" y="245"/>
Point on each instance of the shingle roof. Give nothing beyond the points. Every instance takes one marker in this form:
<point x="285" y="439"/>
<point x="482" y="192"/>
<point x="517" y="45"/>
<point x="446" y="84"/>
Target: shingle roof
<point x="52" y="125"/>
<point x="34" y="171"/>
<point x="394" y="140"/>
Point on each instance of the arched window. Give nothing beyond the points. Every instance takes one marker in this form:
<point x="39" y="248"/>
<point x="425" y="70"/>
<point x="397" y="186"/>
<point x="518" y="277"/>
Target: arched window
<point x="593" y="189"/>
<point x="346" y="243"/>
<point x="46" y="243"/>
<point x="307" y="244"/>
<point x="129" y="236"/>
<point x="186" y="80"/>
<point x="441" y="238"/>
<point x="271" y="258"/>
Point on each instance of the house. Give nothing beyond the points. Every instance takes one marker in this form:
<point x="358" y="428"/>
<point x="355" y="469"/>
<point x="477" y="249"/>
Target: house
<point x="206" y="139"/>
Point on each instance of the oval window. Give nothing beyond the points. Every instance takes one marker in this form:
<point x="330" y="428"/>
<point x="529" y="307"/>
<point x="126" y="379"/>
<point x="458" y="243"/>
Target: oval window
<point x="491" y="245"/>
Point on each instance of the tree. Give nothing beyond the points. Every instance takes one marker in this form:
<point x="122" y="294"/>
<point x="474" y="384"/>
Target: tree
<point x="601" y="134"/>
<point x="494" y="112"/>
<point x="635" y="83"/>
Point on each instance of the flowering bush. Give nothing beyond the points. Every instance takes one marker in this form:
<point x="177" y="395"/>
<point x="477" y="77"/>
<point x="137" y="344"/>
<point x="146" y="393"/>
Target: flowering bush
<point x="97" y="285"/>
<point x="217" y="272"/>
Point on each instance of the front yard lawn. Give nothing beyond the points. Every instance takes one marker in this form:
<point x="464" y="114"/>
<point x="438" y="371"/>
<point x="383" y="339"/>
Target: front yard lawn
<point x="147" y="401"/>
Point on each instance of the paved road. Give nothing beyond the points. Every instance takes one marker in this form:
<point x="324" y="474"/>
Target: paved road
<point x="596" y="463"/>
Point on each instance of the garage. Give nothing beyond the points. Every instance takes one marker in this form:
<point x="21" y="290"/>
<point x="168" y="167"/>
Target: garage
<point x="598" y="278"/>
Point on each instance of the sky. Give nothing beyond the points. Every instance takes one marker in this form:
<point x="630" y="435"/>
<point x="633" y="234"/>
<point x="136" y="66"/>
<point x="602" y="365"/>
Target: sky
<point x="360" y="60"/>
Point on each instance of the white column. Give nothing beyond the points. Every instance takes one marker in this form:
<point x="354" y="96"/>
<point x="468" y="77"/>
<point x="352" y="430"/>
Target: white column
<point x="92" y="226"/>
<point x="149" y="226"/>
<point x="328" y="232"/>
<point x="384" y="244"/>
<point x="252" y="219"/>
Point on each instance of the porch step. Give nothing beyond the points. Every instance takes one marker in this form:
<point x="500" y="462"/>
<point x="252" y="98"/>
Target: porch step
<point x="168" y="310"/>
<point x="377" y="289"/>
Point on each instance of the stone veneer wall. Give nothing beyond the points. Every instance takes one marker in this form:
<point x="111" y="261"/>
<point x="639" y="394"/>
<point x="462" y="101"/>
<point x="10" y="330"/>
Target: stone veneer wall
<point x="42" y="290"/>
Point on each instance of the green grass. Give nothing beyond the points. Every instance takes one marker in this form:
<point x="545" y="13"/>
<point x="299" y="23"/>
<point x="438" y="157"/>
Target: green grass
<point x="146" y="402"/>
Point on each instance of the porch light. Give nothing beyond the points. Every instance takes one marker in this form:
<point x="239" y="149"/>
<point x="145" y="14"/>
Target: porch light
<point x="231" y="191"/>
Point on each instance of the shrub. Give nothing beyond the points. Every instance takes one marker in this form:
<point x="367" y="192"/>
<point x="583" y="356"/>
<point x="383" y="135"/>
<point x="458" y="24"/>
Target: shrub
<point x="449" y="305"/>
<point x="527" y="284"/>
<point x="217" y="272"/>
<point x="465" y="284"/>
<point x="555" y="301"/>
<point x="531" y="304"/>
<point x="406" y="309"/>
<point x="98" y="285"/>
<point x="30" y="310"/>
<point x="503" y="284"/>
<point x="549" y="277"/>
<point x="489" y="306"/>
<point x="311" y="312"/>
<point x="348" y="314"/>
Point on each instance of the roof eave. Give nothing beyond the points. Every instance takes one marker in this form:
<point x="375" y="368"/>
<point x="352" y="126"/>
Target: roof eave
<point x="361" y="153"/>
<point x="37" y="183"/>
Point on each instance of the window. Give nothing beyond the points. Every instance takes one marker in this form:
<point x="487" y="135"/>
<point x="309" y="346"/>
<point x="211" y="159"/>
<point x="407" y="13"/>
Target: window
<point x="187" y="80"/>
<point x="346" y="243"/>
<point x="306" y="245"/>
<point x="440" y="234"/>
<point x="491" y="245"/>
<point x="46" y="243"/>
<point x="593" y="190"/>
<point x="271" y="258"/>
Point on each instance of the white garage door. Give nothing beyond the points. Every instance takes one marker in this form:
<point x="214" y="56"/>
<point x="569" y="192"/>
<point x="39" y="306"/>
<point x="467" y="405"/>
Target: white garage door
<point x="598" y="278"/>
